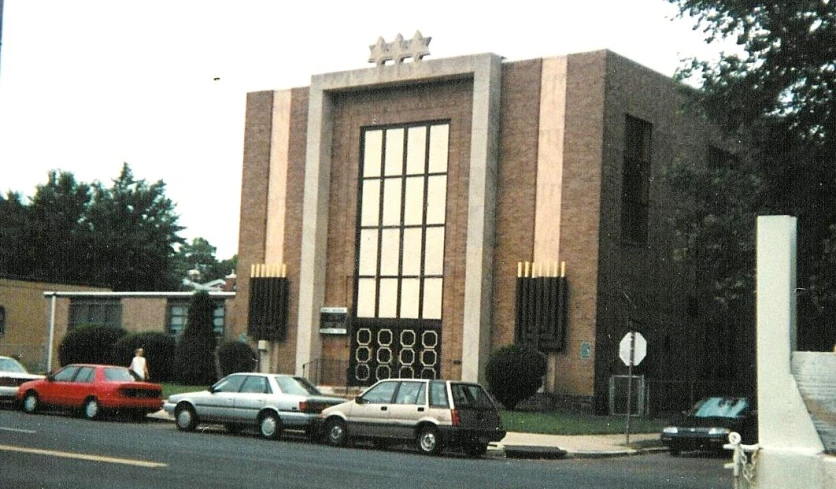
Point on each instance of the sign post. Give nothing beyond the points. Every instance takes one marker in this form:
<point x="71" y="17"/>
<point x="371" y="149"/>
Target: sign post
<point x="632" y="349"/>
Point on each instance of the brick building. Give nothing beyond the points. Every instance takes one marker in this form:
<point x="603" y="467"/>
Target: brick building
<point x="389" y="212"/>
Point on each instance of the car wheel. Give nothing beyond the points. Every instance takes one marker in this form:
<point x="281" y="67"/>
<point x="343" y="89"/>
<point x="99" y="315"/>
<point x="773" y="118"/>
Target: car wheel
<point x="476" y="449"/>
<point x="31" y="403"/>
<point x="336" y="433"/>
<point x="185" y="418"/>
<point x="429" y="441"/>
<point x="270" y="426"/>
<point x="91" y="408"/>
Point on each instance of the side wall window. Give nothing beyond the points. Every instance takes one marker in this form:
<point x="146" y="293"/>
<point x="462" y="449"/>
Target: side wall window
<point x="96" y="313"/>
<point x="2" y="320"/>
<point x="635" y="192"/>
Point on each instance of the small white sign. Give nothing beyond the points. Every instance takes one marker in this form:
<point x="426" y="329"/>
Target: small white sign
<point x="632" y="342"/>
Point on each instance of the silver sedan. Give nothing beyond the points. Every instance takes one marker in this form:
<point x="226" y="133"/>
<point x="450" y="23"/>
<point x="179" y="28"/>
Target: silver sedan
<point x="12" y="374"/>
<point x="270" y="402"/>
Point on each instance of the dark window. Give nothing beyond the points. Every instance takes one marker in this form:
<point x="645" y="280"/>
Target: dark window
<point x="178" y="316"/>
<point x="95" y="313"/>
<point x="635" y="194"/>
<point x="2" y="320"/>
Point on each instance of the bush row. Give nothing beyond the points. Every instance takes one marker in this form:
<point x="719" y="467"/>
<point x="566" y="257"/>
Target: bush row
<point x="106" y="345"/>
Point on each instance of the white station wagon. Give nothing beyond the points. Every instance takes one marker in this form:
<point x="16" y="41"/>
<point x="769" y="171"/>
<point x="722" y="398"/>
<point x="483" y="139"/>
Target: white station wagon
<point x="271" y="402"/>
<point x="434" y="414"/>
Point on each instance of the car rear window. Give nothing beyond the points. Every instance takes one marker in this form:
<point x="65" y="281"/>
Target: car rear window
<point x="297" y="386"/>
<point x="114" y="374"/>
<point x="470" y="396"/>
<point x="721" y="407"/>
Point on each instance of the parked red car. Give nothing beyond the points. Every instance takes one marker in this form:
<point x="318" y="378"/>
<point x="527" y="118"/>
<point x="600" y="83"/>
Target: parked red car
<point x="93" y="389"/>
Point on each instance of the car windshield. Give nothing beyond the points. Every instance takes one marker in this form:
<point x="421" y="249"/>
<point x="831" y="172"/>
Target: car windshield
<point x="297" y="386"/>
<point x="117" y="374"/>
<point x="11" y="365"/>
<point x="720" y="407"/>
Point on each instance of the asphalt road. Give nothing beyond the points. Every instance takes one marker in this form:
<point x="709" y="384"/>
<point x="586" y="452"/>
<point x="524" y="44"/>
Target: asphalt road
<point x="58" y="451"/>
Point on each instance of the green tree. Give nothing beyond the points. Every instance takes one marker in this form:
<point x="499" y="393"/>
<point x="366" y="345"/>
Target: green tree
<point x="200" y="255"/>
<point x="777" y="95"/>
<point x="195" y="354"/>
<point x="134" y="232"/>
<point x="15" y="257"/>
<point x="59" y="233"/>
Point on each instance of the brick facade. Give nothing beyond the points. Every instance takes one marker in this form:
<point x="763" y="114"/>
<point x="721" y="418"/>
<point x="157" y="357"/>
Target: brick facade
<point x="601" y="89"/>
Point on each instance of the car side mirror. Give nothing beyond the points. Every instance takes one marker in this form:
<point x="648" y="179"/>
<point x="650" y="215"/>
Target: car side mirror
<point x="211" y="389"/>
<point x="50" y="377"/>
<point x="359" y="400"/>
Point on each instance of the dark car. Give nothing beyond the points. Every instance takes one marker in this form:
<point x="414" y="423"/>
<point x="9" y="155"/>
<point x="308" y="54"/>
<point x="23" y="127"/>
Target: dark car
<point x="93" y="389"/>
<point x="433" y="414"/>
<point x="708" y="424"/>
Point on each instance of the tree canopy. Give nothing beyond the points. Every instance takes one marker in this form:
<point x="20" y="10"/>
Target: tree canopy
<point x="775" y="94"/>
<point x="125" y="236"/>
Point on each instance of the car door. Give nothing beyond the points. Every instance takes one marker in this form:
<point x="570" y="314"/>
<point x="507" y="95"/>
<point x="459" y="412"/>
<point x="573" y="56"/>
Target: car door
<point x="370" y="412"/>
<point x="249" y="401"/>
<point x="81" y="387"/>
<point x="409" y="406"/>
<point x="220" y="403"/>
<point x="54" y="390"/>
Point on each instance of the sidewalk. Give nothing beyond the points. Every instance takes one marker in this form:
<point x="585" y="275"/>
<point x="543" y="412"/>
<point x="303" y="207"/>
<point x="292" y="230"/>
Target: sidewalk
<point x="538" y="446"/>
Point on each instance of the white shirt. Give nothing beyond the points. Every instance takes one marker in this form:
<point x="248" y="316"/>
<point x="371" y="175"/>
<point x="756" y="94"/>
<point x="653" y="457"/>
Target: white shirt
<point x="138" y="366"/>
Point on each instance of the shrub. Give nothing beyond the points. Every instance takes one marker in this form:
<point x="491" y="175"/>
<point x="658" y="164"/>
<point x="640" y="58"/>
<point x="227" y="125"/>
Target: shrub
<point x="235" y="356"/>
<point x="89" y="344"/>
<point x="159" y="353"/>
<point x="195" y="354"/>
<point x="515" y="373"/>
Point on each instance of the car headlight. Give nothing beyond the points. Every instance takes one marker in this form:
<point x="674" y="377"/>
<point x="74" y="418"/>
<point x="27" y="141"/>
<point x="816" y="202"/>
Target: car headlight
<point x="670" y="430"/>
<point x="719" y="431"/>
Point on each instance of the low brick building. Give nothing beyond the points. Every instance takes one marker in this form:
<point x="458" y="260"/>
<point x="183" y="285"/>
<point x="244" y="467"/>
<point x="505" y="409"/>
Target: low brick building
<point x="409" y="218"/>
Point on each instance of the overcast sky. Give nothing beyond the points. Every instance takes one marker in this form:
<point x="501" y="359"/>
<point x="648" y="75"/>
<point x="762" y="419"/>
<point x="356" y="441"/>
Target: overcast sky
<point x="86" y="85"/>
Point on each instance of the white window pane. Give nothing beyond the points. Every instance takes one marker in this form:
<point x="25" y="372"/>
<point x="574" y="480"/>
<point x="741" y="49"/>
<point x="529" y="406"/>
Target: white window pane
<point x="414" y="201"/>
<point x="416" y="147"/>
<point x="434" y="258"/>
<point x="388" y="298"/>
<point x="365" y="298"/>
<point x="436" y="199"/>
<point x="371" y="203"/>
<point x="368" y="252"/>
<point x="392" y="201"/>
<point x="372" y="153"/>
<point x="394" y="152"/>
<point x="409" y="298"/>
<point x="390" y="251"/>
<point x="432" y="298"/>
<point x="411" y="252"/>
<point x="439" y="138"/>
